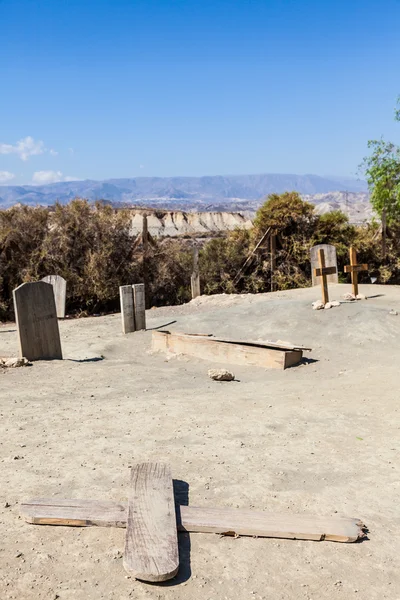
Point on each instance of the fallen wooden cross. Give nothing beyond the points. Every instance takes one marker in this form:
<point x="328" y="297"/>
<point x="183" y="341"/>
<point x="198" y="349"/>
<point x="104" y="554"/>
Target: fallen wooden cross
<point x="151" y="546"/>
<point x="266" y="354"/>
<point x="323" y="272"/>
<point x="354" y="269"/>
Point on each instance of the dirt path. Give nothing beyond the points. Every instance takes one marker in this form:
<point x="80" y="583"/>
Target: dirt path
<point x="319" y="438"/>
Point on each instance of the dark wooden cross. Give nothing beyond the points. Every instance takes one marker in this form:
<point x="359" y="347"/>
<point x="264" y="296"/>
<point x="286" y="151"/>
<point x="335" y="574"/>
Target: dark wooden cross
<point x="354" y="269"/>
<point x="153" y="516"/>
<point x="322" y="272"/>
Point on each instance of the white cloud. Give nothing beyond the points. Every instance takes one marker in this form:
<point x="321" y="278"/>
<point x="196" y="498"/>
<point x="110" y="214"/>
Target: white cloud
<point x="24" y="148"/>
<point x="6" y="176"/>
<point x="141" y="166"/>
<point x="53" y="152"/>
<point x="43" y="177"/>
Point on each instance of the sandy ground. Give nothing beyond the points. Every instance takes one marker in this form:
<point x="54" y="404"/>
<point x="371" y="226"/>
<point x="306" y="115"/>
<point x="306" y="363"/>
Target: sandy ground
<point x="320" y="438"/>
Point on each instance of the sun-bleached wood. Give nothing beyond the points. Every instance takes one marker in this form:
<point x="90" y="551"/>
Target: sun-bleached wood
<point x="151" y="542"/>
<point x="139" y="302"/>
<point x="195" y="277"/>
<point x="245" y="522"/>
<point x="37" y="325"/>
<point x="127" y="308"/>
<point x="258" y="354"/>
<point x="330" y="261"/>
<point x="60" y="293"/>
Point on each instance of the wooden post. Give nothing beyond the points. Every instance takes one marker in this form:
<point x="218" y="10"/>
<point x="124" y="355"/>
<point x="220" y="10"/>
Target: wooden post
<point x="127" y="308"/>
<point x="354" y="274"/>
<point x="273" y="259"/>
<point x="354" y="269"/>
<point x="195" y="277"/>
<point x="145" y="242"/>
<point x="324" y="282"/>
<point x="384" y="234"/>
<point x="139" y="301"/>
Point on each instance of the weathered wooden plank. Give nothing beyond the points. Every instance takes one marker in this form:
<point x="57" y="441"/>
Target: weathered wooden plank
<point x="355" y="268"/>
<point x="195" y="277"/>
<point x="279" y="345"/>
<point x="327" y="271"/>
<point x="140" y="305"/>
<point x="237" y="353"/>
<point x="245" y="522"/>
<point x="36" y="317"/>
<point x="195" y="285"/>
<point x="127" y="308"/>
<point x="151" y="542"/>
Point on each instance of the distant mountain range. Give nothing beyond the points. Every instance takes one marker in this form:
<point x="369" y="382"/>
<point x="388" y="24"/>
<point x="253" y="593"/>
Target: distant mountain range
<point x="216" y="193"/>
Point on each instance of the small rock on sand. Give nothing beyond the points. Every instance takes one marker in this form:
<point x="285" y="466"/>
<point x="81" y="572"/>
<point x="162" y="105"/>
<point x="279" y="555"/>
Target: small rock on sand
<point x="12" y="363"/>
<point x="317" y="305"/>
<point x="221" y="375"/>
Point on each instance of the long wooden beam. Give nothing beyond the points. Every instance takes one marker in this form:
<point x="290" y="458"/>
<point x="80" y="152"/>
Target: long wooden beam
<point x="225" y="521"/>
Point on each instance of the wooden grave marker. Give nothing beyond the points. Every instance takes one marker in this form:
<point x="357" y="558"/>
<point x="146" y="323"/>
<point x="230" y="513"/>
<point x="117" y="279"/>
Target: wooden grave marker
<point x="127" y="308"/>
<point x="195" y="277"/>
<point x="37" y="325"/>
<point x="330" y="261"/>
<point x="322" y="272"/>
<point x="139" y="301"/>
<point x="151" y="547"/>
<point x="354" y="269"/>
<point x="272" y="355"/>
<point x="60" y="293"/>
<point x="133" y="313"/>
<point x="151" y="541"/>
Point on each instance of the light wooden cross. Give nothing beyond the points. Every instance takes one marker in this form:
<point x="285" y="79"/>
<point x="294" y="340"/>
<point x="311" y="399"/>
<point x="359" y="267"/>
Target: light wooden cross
<point x="322" y="272"/>
<point x="354" y="269"/>
<point x="151" y="541"/>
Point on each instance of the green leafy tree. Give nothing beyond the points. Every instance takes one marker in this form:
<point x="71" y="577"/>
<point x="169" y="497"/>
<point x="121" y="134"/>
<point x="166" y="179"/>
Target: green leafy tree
<point x="382" y="170"/>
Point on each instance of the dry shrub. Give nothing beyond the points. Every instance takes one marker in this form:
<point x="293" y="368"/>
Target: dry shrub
<point x="91" y="247"/>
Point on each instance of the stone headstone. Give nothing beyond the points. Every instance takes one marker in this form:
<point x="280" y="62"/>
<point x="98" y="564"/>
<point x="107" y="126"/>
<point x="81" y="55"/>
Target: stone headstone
<point x="36" y="316"/>
<point x="139" y="302"/>
<point x="127" y="308"/>
<point x="330" y="261"/>
<point x="60" y="292"/>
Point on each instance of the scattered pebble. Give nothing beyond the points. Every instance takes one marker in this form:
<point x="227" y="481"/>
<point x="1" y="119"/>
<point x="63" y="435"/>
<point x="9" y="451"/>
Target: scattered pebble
<point x="221" y="375"/>
<point x="317" y="305"/>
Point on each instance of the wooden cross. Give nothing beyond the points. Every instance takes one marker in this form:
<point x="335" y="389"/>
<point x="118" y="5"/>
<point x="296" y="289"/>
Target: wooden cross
<point x="151" y="541"/>
<point x="354" y="269"/>
<point x="322" y="272"/>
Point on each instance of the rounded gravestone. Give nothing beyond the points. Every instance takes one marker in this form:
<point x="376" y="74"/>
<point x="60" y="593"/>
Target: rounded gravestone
<point x="60" y="292"/>
<point x="330" y="261"/>
<point x="36" y="317"/>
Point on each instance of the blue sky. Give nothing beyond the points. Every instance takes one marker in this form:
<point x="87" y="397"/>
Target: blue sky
<point x="116" y="88"/>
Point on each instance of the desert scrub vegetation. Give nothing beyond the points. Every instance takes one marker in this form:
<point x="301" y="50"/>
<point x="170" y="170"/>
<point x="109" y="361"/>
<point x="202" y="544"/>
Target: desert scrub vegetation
<point x="91" y="246"/>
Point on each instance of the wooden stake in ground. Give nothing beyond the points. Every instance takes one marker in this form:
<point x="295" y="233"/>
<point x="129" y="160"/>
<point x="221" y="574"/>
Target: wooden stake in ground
<point x="195" y="277"/>
<point x="354" y="269"/>
<point x="273" y="259"/>
<point x="322" y="272"/>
